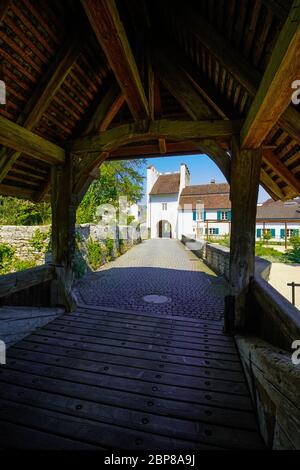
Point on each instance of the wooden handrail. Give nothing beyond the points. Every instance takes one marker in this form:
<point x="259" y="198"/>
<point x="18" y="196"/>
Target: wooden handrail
<point x="15" y="282"/>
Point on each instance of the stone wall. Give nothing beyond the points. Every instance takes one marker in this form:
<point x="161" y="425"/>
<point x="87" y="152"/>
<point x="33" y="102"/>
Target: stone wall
<point x="217" y="258"/>
<point x="21" y="238"/>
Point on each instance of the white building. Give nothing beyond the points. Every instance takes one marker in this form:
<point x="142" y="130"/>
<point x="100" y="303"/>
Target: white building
<point x="176" y="208"/>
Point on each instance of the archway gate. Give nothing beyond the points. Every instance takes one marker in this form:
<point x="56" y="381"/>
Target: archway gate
<point x="108" y="86"/>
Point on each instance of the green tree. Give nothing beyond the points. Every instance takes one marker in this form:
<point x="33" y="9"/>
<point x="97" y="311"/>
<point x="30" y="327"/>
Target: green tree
<point x="120" y="178"/>
<point x="15" y="211"/>
<point x="267" y="236"/>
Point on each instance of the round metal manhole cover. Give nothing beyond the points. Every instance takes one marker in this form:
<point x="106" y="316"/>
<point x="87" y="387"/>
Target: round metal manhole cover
<point x="156" y="299"/>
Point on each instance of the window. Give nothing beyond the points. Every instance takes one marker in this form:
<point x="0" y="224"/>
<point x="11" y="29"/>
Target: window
<point x="212" y="231"/>
<point x="291" y="232"/>
<point x="164" y="206"/>
<point x="224" y="215"/>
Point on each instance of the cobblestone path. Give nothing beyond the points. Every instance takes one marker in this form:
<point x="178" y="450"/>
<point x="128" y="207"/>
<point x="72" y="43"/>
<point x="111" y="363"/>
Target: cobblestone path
<point x="160" y="267"/>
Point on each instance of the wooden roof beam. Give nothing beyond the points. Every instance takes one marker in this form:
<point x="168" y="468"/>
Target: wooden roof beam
<point x="275" y="92"/>
<point x="104" y="18"/>
<point x="145" y="130"/>
<point x="24" y="141"/>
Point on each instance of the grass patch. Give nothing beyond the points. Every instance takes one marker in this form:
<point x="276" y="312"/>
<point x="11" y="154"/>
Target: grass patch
<point x="269" y="254"/>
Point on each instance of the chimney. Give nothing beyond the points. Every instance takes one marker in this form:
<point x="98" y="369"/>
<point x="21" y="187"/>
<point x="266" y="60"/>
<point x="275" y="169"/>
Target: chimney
<point x="152" y="175"/>
<point x="184" y="177"/>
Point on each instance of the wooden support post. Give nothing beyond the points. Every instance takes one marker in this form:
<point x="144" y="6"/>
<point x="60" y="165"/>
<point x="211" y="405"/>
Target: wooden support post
<point x="245" y="174"/>
<point x="64" y="208"/>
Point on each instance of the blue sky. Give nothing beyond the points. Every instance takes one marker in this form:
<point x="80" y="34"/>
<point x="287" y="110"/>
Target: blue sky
<point x="201" y="167"/>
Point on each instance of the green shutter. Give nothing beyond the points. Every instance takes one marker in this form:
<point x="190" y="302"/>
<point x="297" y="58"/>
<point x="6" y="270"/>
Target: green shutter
<point x="194" y="215"/>
<point x="204" y="215"/>
<point x="206" y="231"/>
<point x="258" y="233"/>
<point x="229" y="215"/>
<point x="282" y="233"/>
<point x="272" y="232"/>
<point x="296" y="232"/>
<point x="219" y="215"/>
<point x="217" y="231"/>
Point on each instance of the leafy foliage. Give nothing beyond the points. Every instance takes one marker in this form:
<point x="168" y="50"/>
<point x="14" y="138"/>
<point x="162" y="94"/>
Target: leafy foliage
<point x="110" y="248"/>
<point x="293" y="255"/>
<point x="39" y="241"/>
<point x="267" y="236"/>
<point x="120" y="178"/>
<point x="15" y="211"/>
<point x="20" y="264"/>
<point x="96" y="251"/>
<point x="6" y="256"/>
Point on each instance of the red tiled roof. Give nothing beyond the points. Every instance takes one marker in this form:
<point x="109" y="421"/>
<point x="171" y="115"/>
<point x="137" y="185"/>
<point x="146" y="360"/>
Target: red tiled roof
<point x="210" y="201"/>
<point x="166" y="184"/>
<point x="279" y="210"/>
<point x="212" y="188"/>
<point x="213" y="196"/>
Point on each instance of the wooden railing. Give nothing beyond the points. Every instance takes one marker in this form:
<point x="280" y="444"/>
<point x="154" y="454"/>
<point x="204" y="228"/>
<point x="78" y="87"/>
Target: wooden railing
<point x="28" y="287"/>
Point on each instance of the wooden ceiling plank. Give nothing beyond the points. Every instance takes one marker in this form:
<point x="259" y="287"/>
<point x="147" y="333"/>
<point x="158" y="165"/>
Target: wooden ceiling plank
<point x="234" y="62"/>
<point x="104" y="18"/>
<point x="274" y="94"/>
<point x="43" y="96"/>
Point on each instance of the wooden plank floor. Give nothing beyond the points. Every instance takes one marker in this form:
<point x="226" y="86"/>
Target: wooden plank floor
<point x="108" y="380"/>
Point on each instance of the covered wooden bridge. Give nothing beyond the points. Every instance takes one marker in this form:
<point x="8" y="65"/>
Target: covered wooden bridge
<point x="94" y="80"/>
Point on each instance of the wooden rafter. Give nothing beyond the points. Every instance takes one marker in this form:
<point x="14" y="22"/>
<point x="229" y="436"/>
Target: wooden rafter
<point x="270" y="185"/>
<point x="176" y="81"/>
<point x="164" y="128"/>
<point x="204" y="87"/>
<point x="14" y="191"/>
<point x="275" y="92"/>
<point x="22" y="140"/>
<point x="43" y="96"/>
<point x="104" y="18"/>
<point x="285" y="174"/>
<point x="106" y="110"/>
